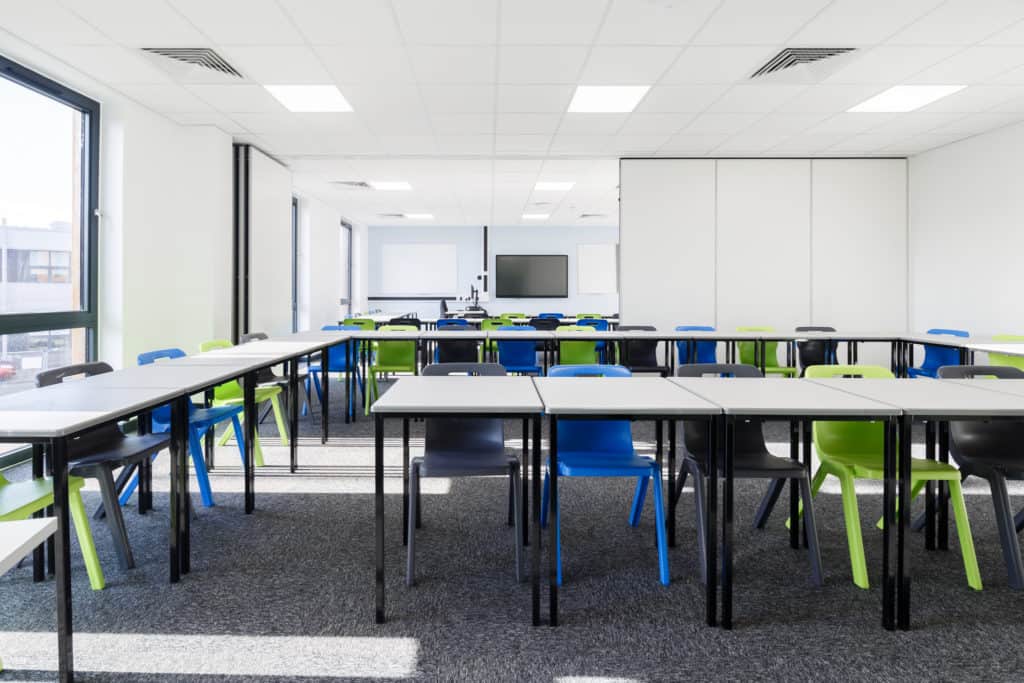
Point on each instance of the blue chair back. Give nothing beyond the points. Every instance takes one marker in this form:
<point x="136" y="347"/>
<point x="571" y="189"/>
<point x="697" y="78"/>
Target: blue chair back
<point x="161" y="417"/>
<point x="937" y="356"/>
<point x="613" y="437"/>
<point x="599" y="324"/>
<point x="517" y="354"/>
<point x="550" y="315"/>
<point x="706" y="350"/>
<point x="148" y="357"/>
<point x="337" y="357"/>
<point x="452" y="322"/>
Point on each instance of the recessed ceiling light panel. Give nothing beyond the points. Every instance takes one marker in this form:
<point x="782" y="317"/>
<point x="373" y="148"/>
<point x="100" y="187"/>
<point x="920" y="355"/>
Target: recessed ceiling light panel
<point x="554" y="185"/>
<point x="903" y="98"/>
<point x="310" y="98"/>
<point x="607" y="99"/>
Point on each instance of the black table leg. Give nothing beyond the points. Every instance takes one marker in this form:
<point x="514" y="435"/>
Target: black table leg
<point x="65" y="652"/>
<point x="325" y="389"/>
<point x="526" y="481"/>
<point x="210" y="437"/>
<point x="671" y="483"/>
<point x="185" y="499"/>
<point x="378" y="510"/>
<point x="659" y="444"/>
<point x="179" y="462"/>
<point x="535" y="553"/>
<point x="348" y="381"/>
<point x="929" y="492"/>
<point x="794" y="490"/>
<point x="711" y="523"/>
<point x="888" y="512"/>
<point x="902" y="527"/>
<point x="51" y="542"/>
<point x="727" y="522"/>
<point x="405" y="480"/>
<point x="808" y="446"/>
<point x="552" y="523"/>
<point x="942" y="532"/>
<point x="293" y="414"/>
<point x="251" y="417"/>
<point x="38" y="553"/>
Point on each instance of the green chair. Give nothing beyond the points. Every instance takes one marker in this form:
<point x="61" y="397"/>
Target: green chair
<point x="854" y="450"/>
<point x="1004" y="358"/>
<point x="510" y="316"/>
<point x="589" y="316"/>
<point x="576" y="352"/>
<point x="491" y="346"/>
<point x="230" y="394"/>
<point x="20" y="500"/>
<point x="363" y="323"/>
<point x="390" y="356"/>
<point x="771" y="360"/>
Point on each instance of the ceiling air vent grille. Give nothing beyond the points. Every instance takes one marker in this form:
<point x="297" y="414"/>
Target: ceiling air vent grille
<point x="797" y="56"/>
<point x="196" y="56"/>
<point x="352" y="184"/>
<point x="391" y="215"/>
<point x="584" y="216"/>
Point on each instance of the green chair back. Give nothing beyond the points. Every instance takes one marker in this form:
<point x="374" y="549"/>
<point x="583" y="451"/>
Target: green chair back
<point x="589" y="316"/>
<point x="491" y="323"/>
<point x="396" y="354"/>
<point x="576" y="352"/>
<point x="362" y="323"/>
<point x="1003" y="358"/>
<point x="770" y="348"/>
<point x="859" y="440"/>
<point x="229" y="390"/>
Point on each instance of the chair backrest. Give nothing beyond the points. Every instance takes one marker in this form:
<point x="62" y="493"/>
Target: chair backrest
<point x="848" y="437"/>
<point x="213" y="344"/>
<point x="816" y="351"/>
<point x="230" y="389"/>
<point x="1005" y="358"/>
<point x="979" y="371"/>
<point x="706" y="351"/>
<point x="749" y="435"/>
<point x="508" y="316"/>
<point x="397" y="353"/>
<point x="545" y="324"/>
<point x="58" y="375"/>
<point x="639" y="353"/>
<point x="599" y="324"/>
<point x="452" y="322"/>
<point x="457" y="350"/>
<point x="492" y="323"/>
<point x="415" y="322"/>
<point x="576" y="352"/>
<point x="467" y="435"/>
<point x="937" y="356"/>
<point x="588" y="316"/>
<point x="473" y="369"/>
<point x="517" y="354"/>
<point x="551" y="315"/>
<point x="147" y="357"/>
<point x="771" y="358"/>
<point x="337" y="355"/>
<point x="594" y="436"/>
<point x="252" y="336"/>
<point x="979" y="438"/>
<point x="361" y="323"/>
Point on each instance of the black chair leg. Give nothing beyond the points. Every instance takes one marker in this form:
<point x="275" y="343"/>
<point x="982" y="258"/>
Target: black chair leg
<point x="115" y="521"/>
<point x="817" y="574"/>
<point x="771" y="496"/>
<point x="1007" y="531"/>
<point x="680" y="483"/>
<point x="511" y="500"/>
<point x="1018" y="520"/>
<point x="698" y="499"/>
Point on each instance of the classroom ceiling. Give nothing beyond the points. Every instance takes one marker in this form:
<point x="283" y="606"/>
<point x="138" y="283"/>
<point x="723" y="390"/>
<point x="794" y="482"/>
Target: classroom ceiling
<point x="467" y="99"/>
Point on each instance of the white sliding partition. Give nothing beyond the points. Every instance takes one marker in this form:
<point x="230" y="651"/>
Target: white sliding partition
<point x="270" y="246"/>
<point x="764" y="233"/>
<point x="667" y="242"/>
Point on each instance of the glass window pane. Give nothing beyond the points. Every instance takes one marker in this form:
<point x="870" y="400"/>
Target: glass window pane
<point x="24" y="355"/>
<point x="60" y="258"/>
<point x="40" y="201"/>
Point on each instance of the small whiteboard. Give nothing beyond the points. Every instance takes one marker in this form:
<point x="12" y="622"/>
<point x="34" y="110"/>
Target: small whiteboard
<point x="419" y="270"/>
<point x="597" y="269"/>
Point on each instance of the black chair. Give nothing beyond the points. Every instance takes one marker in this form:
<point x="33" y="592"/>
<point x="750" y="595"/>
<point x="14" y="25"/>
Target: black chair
<point x="752" y="460"/>
<point x="464" y="447"/>
<point x="457" y="350"/>
<point x="544" y="325"/>
<point x="99" y="452"/>
<point x="815" y="351"/>
<point x="993" y="451"/>
<point x="406" y="320"/>
<point x="267" y="376"/>
<point x="641" y="355"/>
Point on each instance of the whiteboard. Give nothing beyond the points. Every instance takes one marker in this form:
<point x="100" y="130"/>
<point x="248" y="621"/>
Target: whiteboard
<point x="419" y="270"/>
<point x="596" y="269"/>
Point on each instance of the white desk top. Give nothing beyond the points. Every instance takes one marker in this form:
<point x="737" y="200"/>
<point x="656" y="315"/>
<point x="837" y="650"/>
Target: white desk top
<point x="524" y="335"/>
<point x="1014" y="387"/>
<point x="393" y="335"/>
<point x="460" y="394"/>
<point x="1007" y="348"/>
<point x="465" y="335"/>
<point x="18" y="538"/>
<point x="931" y="398"/>
<point x="619" y="396"/>
<point x="780" y="397"/>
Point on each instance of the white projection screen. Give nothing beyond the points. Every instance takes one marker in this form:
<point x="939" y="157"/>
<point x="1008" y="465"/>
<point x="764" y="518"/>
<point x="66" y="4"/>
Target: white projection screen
<point x="419" y="270"/>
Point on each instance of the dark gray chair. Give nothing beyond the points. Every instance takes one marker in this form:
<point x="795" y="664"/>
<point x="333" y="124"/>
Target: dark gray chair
<point x="457" y="350"/>
<point x="815" y="351"/>
<point x="641" y="355"/>
<point x="544" y="325"/>
<point x="993" y="451"/>
<point x="464" y="447"/>
<point x="97" y="453"/>
<point x="752" y="460"/>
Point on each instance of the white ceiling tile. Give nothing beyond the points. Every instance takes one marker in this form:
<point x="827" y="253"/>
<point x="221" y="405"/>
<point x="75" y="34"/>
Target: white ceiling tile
<point x="350" y="22"/>
<point x="211" y="118"/>
<point x="719" y="64"/>
<point x="540" y="63"/>
<point x="915" y="123"/>
<point x="752" y="22"/>
<point x="241" y="22"/>
<point x="277" y="64"/>
<point x="465" y="144"/>
<point x="458" y="98"/>
<point x="447" y="22"/>
<point x="850" y="124"/>
<point x="890" y="64"/>
<point x="581" y="144"/>
<point x="591" y="124"/>
<point x="48" y="23"/>
<point x="140" y="23"/>
<point x="867" y="143"/>
<point x="972" y="124"/>
<point x="974" y="65"/>
<point x="638" y="145"/>
<point x="168" y="99"/>
<point x="412" y="121"/>
<point x="373" y="101"/>
<point x="654" y="23"/>
<point x="807" y="144"/>
<point x="543" y="22"/>
<point x="291" y="122"/>
<point x="692" y="145"/>
<point x="1013" y="35"/>
<point x="786" y="123"/>
<point x="850" y="23"/>
<point x="534" y="98"/>
<point x="680" y="98"/>
<point x="720" y="124"/>
<point x="961" y="22"/>
<point x="371" y="64"/>
<point x="755" y="98"/>
<point x="238" y="98"/>
<point x="463" y="124"/>
<point x="409" y="144"/>
<point x="829" y="98"/>
<point x="111" y="64"/>
<point x="617" y="65"/>
<point x="527" y="124"/>
<point x="521" y="144"/>
<point x="453" y="64"/>
<point x="977" y="98"/>
<point x="640" y="124"/>
<point x="314" y="144"/>
<point x="750" y="143"/>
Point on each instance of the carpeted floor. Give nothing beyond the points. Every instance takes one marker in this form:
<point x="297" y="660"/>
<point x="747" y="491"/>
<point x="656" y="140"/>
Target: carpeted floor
<point x="286" y="594"/>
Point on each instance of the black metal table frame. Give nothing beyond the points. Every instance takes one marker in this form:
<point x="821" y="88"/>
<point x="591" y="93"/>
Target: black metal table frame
<point x="530" y="503"/>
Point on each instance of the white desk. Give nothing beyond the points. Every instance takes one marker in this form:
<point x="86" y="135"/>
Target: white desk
<point x="17" y="539"/>
<point x="1006" y="348"/>
<point x="455" y="396"/>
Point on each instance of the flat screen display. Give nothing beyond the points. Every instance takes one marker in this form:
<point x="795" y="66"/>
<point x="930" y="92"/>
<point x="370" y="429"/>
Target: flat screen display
<point x="532" y="276"/>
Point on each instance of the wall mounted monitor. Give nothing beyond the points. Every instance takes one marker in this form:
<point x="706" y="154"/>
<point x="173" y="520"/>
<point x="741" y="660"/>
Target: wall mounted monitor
<point x="532" y="276"/>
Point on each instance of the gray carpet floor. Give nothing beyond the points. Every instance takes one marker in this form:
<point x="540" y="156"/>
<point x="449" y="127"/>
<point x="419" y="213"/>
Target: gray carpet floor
<point x="286" y="594"/>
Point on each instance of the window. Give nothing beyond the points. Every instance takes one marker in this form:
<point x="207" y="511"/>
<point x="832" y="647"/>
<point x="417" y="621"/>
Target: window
<point x="48" y="198"/>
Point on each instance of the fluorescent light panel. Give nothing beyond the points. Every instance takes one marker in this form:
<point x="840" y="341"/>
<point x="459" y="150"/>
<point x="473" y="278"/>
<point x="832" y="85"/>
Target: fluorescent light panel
<point x="419" y="216"/>
<point x="536" y="216"/>
<point x="310" y="98"/>
<point x="554" y="185"/>
<point x="903" y="98"/>
<point x="607" y="99"/>
<point x="390" y="185"/>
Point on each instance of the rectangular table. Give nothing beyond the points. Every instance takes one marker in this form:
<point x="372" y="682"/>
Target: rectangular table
<point x="622" y="398"/>
<point x="454" y="396"/>
<point x="794" y="400"/>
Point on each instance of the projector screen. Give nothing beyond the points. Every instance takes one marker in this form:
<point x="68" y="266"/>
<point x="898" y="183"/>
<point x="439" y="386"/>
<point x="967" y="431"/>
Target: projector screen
<point x="532" y="276"/>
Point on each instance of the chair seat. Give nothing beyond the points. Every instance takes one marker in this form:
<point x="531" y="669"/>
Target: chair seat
<point x="589" y="464"/>
<point x="922" y="372"/>
<point x="21" y="498"/>
<point x="758" y="465"/>
<point x="873" y="468"/>
<point x="469" y="463"/>
<point x="263" y="393"/>
<point x="130" y="449"/>
<point x="781" y="370"/>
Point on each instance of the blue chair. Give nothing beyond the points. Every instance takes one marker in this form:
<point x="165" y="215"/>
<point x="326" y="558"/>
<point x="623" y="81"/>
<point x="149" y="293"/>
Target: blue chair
<point x="200" y="421"/>
<point x="519" y="356"/>
<point x="337" y="361"/>
<point x="601" y="325"/>
<point x="604" y="448"/>
<point x="452" y="322"/>
<point x="706" y="350"/>
<point x="550" y="315"/>
<point x="937" y="356"/>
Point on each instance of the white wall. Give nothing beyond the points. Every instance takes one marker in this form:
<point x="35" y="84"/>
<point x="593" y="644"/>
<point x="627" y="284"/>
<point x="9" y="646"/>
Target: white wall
<point x="270" y="245"/>
<point x="766" y="242"/>
<point x="966" y="236"/>
<point x="321" y="264"/>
